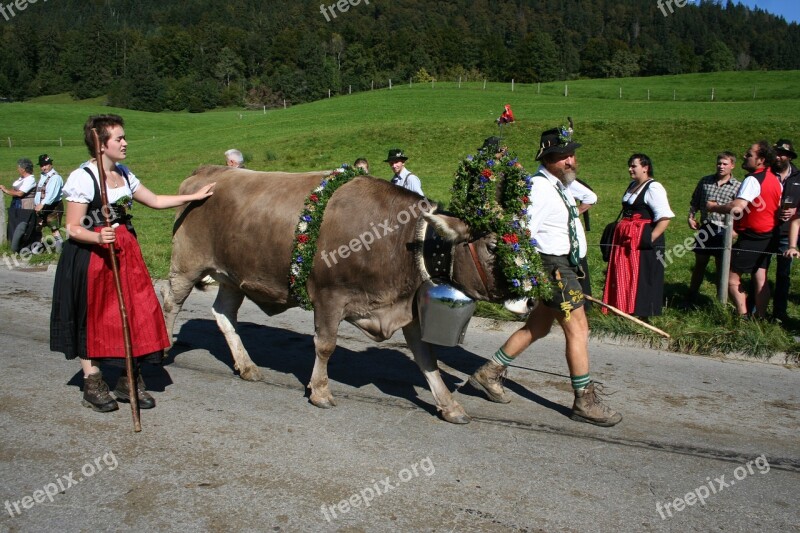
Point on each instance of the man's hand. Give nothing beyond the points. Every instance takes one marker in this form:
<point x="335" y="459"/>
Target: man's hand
<point x="39" y="207"/>
<point x="693" y="223"/>
<point x="787" y="214"/>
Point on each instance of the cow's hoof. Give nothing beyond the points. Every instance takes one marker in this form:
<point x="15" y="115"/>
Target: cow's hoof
<point x="322" y="401"/>
<point x="251" y="373"/>
<point x="455" y="415"/>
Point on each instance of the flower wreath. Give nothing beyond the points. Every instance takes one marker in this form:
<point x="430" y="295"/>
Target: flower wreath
<point x="490" y="193"/>
<point x="307" y="231"/>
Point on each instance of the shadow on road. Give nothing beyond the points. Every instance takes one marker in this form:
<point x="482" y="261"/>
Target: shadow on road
<point x="390" y="370"/>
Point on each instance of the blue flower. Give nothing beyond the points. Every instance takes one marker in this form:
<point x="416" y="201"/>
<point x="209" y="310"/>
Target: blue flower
<point x="479" y="212"/>
<point x="515" y="246"/>
<point x="470" y="158"/>
<point x="307" y="218"/>
<point x="323" y="183"/>
<point x="534" y="242"/>
<point x="345" y="165"/>
<point x="299" y="259"/>
<point x="512" y="162"/>
<point x="515" y="224"/>
<point x="490" y="163"/>
<point x="515" y="282"/>
<point x="535" y="281"/>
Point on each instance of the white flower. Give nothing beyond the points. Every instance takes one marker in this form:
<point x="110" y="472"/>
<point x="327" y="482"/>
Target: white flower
<point x="295" y="269"/>
<point x="527" y="285"/>
<point x="519" y="260"/>
<point x="318" y="189"/>
<point x="302" y="227"/>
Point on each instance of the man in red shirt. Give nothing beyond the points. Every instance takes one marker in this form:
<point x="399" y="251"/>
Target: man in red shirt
<point x="755" y="216"/>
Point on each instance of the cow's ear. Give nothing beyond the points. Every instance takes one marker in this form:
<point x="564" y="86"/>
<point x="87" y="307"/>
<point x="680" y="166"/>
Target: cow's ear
<point x="443" y="227"/>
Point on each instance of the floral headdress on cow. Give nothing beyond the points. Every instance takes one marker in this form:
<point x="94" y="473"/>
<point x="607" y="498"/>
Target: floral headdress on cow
<point x="490" y="193"/>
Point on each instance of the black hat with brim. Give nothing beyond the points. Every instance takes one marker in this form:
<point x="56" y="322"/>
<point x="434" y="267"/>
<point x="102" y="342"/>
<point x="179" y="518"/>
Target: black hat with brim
<point x="395" y="154"/>
<point x="556" y="141"/>
<point x="785" y="146"/>
<point x="44" y="159"/>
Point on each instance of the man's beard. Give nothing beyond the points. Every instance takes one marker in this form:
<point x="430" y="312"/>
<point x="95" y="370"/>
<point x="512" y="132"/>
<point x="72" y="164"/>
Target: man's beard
<point x="781" y="166"/>
<point x="568" y="177"/>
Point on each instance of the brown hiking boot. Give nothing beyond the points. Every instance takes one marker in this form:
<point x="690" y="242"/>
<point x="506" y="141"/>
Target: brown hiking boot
<point x="489" y="379"/>
<point x="589" y="408"/>
<point x="123" y="393"/>
<point x="95" y="394"/>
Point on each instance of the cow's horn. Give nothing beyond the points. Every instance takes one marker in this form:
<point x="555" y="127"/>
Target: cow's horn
<point x="442" y="228"/>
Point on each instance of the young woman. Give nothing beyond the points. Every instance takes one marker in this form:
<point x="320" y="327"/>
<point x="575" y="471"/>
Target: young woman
<point x="85" y="320"/>
<point x="635" y="279"/>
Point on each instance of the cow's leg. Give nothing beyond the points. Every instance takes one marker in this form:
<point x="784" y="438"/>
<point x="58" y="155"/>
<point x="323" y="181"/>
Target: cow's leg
<point x="325" y="331"/>
<point x="174" y="293"/>
<point x="450" y="409"/>
<point x="225" y="309"/>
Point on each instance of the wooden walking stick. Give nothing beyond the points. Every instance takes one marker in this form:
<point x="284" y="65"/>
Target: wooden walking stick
<point x="126" y="332"/>
<point x="626" y="315"/>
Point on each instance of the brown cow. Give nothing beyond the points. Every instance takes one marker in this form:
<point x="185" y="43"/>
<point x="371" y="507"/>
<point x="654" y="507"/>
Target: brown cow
<point x="243" y="237"/>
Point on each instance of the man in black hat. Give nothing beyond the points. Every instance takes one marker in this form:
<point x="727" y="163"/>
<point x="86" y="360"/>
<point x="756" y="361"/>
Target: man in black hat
<point x="789" y="176"/>
<point x="402" y="176"/>
<point x="560" y="240"/>
<point x="48" y="197"/>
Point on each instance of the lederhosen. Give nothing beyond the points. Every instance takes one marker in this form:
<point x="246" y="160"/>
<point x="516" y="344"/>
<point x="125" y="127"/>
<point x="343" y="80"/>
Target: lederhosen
<point x="55" y="208"/>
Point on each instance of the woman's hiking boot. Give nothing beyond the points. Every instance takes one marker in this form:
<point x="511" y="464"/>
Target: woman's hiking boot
<point x="122" y="392"/>
<point x="96" y="395"/>
<point x="589" y="408"/>
<point x="489" y="378"/>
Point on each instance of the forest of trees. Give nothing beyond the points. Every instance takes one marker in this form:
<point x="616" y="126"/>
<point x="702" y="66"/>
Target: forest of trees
<point x="154" y="55"/>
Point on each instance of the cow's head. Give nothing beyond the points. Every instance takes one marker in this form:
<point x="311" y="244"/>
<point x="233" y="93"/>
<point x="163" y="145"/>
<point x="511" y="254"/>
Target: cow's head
<point x="474" y="268"/>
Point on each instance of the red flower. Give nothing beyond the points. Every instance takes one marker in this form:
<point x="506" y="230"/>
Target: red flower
<point x="524" y="199"/>
<point x="510" y="238"/>
<point x="314" y="198"/>
<point x="486" y="173"/>
<point x="302" y="238"/>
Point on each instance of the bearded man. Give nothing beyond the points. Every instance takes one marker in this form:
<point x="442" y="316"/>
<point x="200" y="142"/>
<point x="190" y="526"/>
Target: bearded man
<point x="560" y="240"/>
<point x="789" y="176"/>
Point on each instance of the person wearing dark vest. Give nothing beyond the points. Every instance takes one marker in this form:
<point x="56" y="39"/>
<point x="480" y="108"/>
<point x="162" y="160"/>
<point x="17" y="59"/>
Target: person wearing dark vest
<point x="84" y="321"/>
<point x="754" y="210"/>
<point x="555" y="225"/>
<point x="21" y="213"/>
<point x="635" y="277"/>
<point x="789" y="176"/>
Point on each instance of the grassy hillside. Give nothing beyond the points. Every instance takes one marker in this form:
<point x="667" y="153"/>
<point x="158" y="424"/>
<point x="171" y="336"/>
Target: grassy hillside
<point x="437" y="126"/>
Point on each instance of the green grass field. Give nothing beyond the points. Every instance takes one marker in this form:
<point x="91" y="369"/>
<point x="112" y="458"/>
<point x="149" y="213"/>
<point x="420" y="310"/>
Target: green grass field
<point x="439" y="125"/>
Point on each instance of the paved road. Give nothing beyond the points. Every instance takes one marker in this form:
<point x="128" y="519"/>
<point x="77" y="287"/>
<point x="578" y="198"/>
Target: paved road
<point x="219" y="453"/>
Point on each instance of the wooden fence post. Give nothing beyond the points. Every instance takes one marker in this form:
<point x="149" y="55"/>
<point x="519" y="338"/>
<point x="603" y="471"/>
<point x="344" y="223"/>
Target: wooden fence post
<point x="725" y="266"/>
